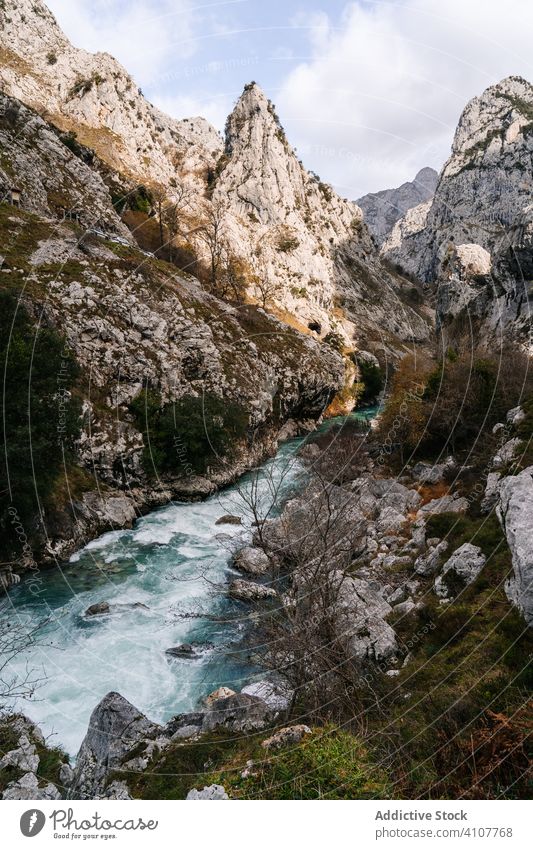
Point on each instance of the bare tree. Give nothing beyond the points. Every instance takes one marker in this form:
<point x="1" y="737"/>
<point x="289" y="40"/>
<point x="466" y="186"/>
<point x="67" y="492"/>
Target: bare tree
<point x="174" y="211"/>
<point x="266" y="286"/>
<point x="16" y="638"/>
<point x="233" y="276"/>
<point x="159" y="196"/>
<point x="211" y="230"/>
<point x="307" y="636"/>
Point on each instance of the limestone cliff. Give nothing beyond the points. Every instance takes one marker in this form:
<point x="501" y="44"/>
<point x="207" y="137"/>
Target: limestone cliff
<point x="134" y="322"/>
<point x="94" y="95"/>
<point x="483" y="199"/>
<point x="282" y="222"/>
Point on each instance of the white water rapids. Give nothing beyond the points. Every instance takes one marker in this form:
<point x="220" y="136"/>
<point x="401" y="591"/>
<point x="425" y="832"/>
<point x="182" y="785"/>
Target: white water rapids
<point x="176" y="561"/>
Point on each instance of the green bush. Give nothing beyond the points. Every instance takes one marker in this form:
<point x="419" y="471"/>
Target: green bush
<point x="188" y="435"/>
<point x="372" y="377"/>
<point x="41" y="418"/>
<point x="335" y="341"/>
<point x="140" y="200"/>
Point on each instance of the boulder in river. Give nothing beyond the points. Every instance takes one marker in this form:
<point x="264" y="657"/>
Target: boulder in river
<point x="98" y="609"/>
<point x="102" y="608"/>
<point x="221" y="693"/>
<point x="183" y="651"/>
<point x="229" y="520"/>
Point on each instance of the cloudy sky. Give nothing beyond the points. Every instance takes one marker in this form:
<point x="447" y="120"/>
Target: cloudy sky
<point x="368" y="91"/>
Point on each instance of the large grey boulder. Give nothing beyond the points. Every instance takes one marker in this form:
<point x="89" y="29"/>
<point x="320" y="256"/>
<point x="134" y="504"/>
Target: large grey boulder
<point x="427" y="564"/>
<point x="248" y="591"/>
<point x="427" y="474"/>
<point x="115" y="727"/>
<point x="211" y="793"/>
<point x="276" y="696"/>
<point x="446" y="504"/>
<point x="360" y="613"/>
<point x="237" y="713"/>
<point x="27" y="787"/>
<point x="515" y="512"/>
<point x="252" y="561"/>
<point x="466" y="563"/>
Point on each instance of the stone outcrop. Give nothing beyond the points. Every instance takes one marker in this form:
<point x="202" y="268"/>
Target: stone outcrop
<point x="425" y="473"/>
<point x="20" y="766"/>
<point x="251" y="561"/>
<point x="465" y="564"/>
<point x="53" y="181"/>
<point x="120" y="739"/>
<point x="211" y="793"/>
<point x="115" y="727"/>
<point x="515" y="511"/>
<point x="249" y="591"/>
<point x="383" y="209"/>
<point x="29" y="787"/>
<point x="286" y="737"/>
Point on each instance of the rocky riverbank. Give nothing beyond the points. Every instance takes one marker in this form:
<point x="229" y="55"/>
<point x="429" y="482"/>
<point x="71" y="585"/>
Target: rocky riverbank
<point x="362" y="557"/>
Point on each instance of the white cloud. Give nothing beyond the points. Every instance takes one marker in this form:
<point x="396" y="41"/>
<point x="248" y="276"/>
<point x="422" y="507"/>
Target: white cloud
<point x="381" y="94"/>
<point x="142" y="34"/>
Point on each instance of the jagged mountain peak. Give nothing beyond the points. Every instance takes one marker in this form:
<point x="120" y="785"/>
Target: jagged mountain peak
<point x="427" y="177"/>
<point x="490" y="116"/>
<point x="93" y="95"/>
<point x="253" y="118"/>
<point x="252" y="96"/>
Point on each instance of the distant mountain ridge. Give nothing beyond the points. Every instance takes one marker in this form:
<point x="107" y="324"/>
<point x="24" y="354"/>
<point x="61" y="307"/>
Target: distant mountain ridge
<point x="383" y="209"/>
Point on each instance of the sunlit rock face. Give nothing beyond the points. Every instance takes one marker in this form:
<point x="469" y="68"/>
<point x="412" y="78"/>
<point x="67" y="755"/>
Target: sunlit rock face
<point x="281" y="221"/>
<point x="483" y="199"/>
